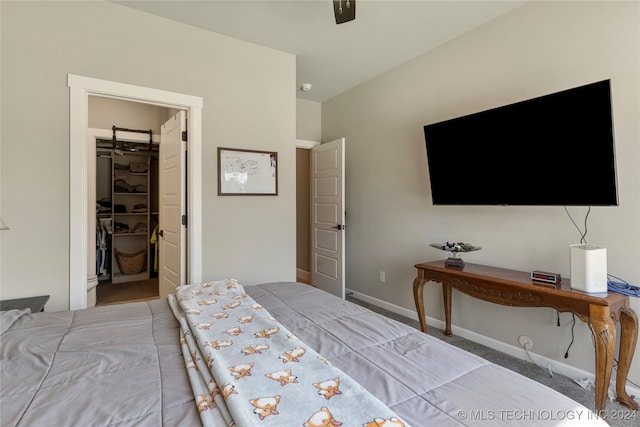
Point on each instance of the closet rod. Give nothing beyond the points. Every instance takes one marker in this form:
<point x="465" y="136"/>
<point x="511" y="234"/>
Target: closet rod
<point x="114" y="128"/>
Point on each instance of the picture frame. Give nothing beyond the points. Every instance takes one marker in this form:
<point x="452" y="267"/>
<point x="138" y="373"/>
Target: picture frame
<point x="243" y="172"/>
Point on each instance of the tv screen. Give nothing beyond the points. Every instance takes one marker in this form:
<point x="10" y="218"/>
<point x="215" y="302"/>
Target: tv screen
<point x="554" y="150"/>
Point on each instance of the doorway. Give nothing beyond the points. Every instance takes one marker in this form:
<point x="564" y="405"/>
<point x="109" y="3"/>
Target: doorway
<point x="80" y="90"/>
<point x="303" y="210"/>
<point x="320" y="215"/>
<point x="303" y="215"/>
<point x="124" y="144"/>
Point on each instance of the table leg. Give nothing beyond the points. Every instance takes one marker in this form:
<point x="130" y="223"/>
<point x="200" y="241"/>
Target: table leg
<point x="446" y="294"/>
<point x="604" y="333"/>
<point x="418" y="288"/>
<point x="628" y="338"/>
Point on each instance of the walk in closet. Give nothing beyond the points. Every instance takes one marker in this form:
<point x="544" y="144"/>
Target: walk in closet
<point x="126" y="209"/>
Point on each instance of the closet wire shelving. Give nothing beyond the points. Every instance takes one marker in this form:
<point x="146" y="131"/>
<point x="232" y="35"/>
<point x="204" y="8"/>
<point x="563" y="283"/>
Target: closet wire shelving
<point x="130" y="215"/>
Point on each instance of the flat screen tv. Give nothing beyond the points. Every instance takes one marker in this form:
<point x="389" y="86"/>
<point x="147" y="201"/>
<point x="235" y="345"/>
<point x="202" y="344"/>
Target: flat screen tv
<point x="554" y="150"/>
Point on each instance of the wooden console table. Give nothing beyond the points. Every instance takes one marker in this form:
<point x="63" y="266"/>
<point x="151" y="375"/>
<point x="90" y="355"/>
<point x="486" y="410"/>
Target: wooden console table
<point x="515" y="288"/>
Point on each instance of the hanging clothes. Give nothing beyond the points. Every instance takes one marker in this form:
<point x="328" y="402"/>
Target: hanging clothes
<point x="154" y="241"/>
<point x="103" y="246"/>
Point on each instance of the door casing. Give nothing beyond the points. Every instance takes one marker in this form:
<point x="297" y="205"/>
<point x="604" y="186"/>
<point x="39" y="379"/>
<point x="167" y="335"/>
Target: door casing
<point x="80" y="88"/>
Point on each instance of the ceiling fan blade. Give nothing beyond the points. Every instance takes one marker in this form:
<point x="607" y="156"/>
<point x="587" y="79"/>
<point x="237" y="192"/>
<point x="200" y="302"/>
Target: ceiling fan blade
<point x="344" y="10"/>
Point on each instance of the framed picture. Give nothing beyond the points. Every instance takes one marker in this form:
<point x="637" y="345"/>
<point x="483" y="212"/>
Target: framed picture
<point x="247" y="172"/>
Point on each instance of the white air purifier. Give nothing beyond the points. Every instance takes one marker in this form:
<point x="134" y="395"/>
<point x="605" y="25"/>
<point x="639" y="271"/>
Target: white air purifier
<point x="588" y="268"/>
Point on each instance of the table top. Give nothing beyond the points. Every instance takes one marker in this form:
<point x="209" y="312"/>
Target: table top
<point x="36" y="304"/>
<point x="522" y="279"/>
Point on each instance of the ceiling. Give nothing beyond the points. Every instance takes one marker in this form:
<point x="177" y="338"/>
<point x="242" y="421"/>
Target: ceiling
<point x="335" y="58"/>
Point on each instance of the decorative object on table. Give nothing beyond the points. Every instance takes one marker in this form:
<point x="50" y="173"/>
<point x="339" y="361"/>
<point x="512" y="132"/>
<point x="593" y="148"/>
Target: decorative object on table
<point x="454" y="248"/>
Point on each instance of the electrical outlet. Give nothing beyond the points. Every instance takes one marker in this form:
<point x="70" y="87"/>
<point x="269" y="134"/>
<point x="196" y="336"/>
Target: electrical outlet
<point x="382" y="277"/>
<point x="525" y="342"/>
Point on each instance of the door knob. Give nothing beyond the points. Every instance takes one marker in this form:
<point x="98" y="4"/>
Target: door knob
<point x="339" y="227"/>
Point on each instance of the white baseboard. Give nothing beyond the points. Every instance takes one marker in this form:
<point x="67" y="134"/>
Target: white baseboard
<point x="558" y="367"/>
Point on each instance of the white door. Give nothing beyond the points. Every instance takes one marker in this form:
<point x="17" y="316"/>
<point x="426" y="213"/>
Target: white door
<point x="328" y="217"/>
<point x="171" y="238"/>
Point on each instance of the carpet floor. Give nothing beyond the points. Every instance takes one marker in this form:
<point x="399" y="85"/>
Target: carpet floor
<point x="617" y="414"/>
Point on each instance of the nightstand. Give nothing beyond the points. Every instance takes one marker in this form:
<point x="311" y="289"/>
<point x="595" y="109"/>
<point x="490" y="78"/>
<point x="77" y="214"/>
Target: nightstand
<point x="36" y="304"/>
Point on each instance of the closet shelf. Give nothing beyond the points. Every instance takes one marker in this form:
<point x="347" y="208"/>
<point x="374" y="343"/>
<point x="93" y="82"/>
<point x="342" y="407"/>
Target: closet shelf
<point x="120" y="277"/>
<point x="131" y="227"/>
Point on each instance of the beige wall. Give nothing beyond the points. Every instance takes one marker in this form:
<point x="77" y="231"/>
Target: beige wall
<point x="107" y="112"/>
<point x="249" y="238"/>
<point x="308" y="120"/>
<point x="537" y="49"/>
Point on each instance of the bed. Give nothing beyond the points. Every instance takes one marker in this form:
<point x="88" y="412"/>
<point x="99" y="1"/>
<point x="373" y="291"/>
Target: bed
<point x="126" y="365"/>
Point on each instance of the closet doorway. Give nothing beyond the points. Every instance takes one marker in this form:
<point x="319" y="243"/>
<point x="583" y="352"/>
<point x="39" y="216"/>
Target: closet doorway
<point x="80" y="207"/>
<point x="125" y="137"/>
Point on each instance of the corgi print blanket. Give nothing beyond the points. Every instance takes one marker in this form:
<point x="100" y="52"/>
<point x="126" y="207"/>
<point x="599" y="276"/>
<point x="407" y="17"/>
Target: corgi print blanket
<point x="247" y="369"/>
